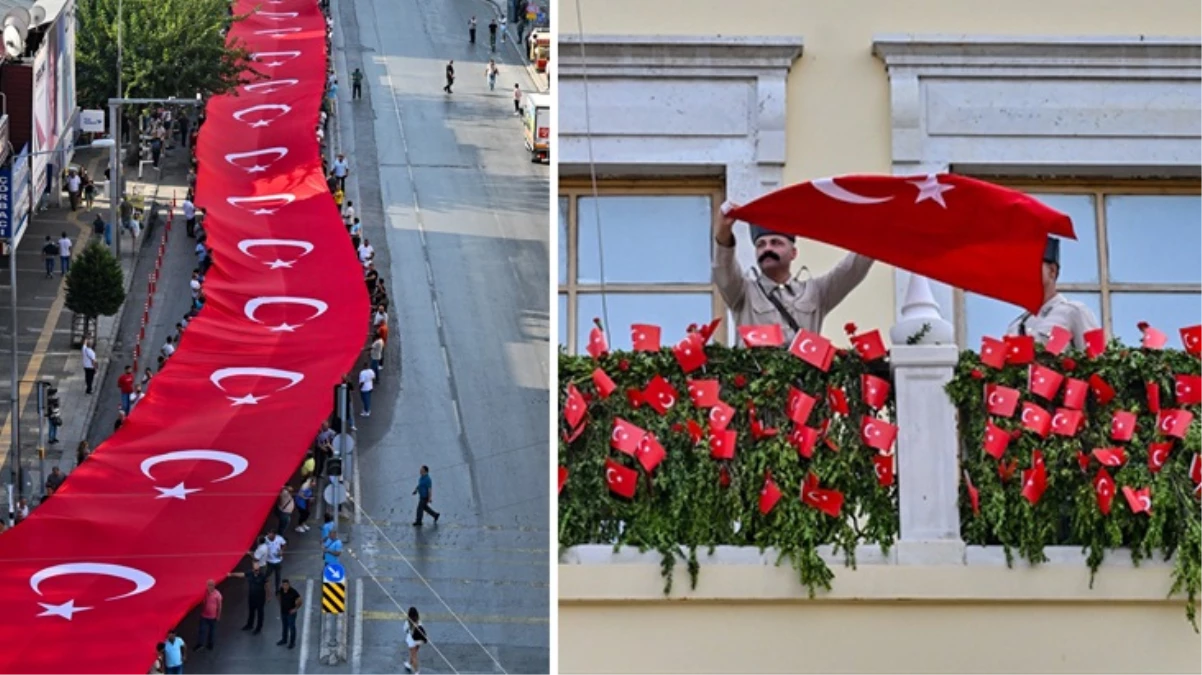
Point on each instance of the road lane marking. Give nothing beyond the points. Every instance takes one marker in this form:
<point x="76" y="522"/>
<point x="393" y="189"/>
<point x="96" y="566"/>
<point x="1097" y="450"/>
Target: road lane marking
<point x="304" y="634"/>
<point x="357" y="636"/>
<point x="429" y="617"/>
<point x="479" y="561"/>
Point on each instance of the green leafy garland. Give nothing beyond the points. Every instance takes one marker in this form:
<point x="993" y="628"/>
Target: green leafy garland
<point x="683" y="505"/>
<point x="1068" y="512"/>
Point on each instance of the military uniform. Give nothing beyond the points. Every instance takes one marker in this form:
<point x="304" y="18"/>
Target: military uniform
<point x="1057" y="311"/>
<point x="749" y="296"/>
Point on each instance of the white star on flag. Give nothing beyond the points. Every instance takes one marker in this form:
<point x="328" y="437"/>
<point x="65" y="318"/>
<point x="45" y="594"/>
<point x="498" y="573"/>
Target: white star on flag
<point x="177" y="492"/>
<point x="64" y="610"/>
<point x="931" y="188"/>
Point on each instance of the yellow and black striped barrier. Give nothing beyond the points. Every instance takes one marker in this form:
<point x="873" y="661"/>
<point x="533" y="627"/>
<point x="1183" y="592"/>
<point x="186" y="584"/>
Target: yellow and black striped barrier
<point x="333" y="597"/>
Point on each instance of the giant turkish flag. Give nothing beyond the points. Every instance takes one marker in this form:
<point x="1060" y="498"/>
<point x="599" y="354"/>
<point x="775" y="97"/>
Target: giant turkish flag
<point x="95" y="577"/>
<point x="968" y="233"/>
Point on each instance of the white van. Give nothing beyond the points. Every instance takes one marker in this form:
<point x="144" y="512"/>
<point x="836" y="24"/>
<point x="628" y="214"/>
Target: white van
<point x="536" y="121"/>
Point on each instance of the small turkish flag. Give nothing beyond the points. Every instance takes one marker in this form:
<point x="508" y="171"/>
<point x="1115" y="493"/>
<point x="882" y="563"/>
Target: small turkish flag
<point x="574" y="407"/>
<point x="800" y="405"/>
<point x="604" y="385"/>
<point x="1074" y="393"/>
<point x="563" y="477"/>
<point x="762" y="336"/>
<point x="1188" y="389"/>
<point x="1174" y="422"/>
<point x="660" y="395"/>
<point x="1035" y="481"/>
<point x="1153" y="390"/>
<point x="645" y="337"/>
<point x="1005" y="470"/>
<point x="1001" y="401"/>
<point x="1191" y="339"/>
<point x="1122" y="425"/>
<point x="829" y="502"/>
<point x="1139" y="500"/>
<point x="1037" y="458"/>
<point x="721" y="415"/>
<point x="1020" y="349"/>
<point x="813" y="349"/>
<point x="1110" y="456"/>
<point x="974" y="495"/>
<point x="704" y="393"/>
<point x="1036" y="419"/>
<point x="996" y="440"/>
<point x="1158" y="455"/>
<point x="804" y="438"/>
<point x="1103" y="488"/>
<point x="621" y="480"/>
<point x="626" y="436"/>
<point x="696" y="433"/>
<point x="877" y="434"/>
<point x="758" y="431"/>
<point x="568" y="438"/>
<point x="769" y="494"/>
<point x="1058" y="340"/>
<point x="1043" y="382"/>
<point x="722" y="444"/>
<point x="635" y="398"/>
<point x="869" y="345"/>
<point x="1083" y="461"/>
<point x="993" y="352"/>
<point x="1153" y="338"/>
<point x="883" y="466"/>
<point x="1195" y="469"/>
<point x="1067" y="422"/>
<point x="837" y="400"/>
<point x="650" y="453"/>
<point x="707" y="331"/>
<point x="597" y="346"/>
<point x="690" y="352"/>
<point x="1101" y="389"/>
<point x="1095" y="342"/>
<point x="874" y="390"/>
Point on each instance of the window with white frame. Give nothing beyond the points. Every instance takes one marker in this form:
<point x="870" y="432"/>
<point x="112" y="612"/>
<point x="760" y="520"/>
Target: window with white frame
<point x="1135" y="259"/>
<point x="635" y="252"/>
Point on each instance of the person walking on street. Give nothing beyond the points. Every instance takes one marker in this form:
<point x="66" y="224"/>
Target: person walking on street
<point x="210" y="614"/>
<point x="517" y="99"/>
<point x="367" y="380"/>
<point x="415" y="637"/>
<point x="89" y="192"/>
<point x="290" y="602"/>
<point x="256" y="589"/>
<point x="490" y="73"/>
<point x="492" y="34"/>
<point x="471" y="30"/>
<point x="425" y="495"/>
<point x="189" y="217"/>
<point x="88" y="356"/>
<point x="450" y="76"/>
<point x="275" y="555"/>
<point x="341" y="170"/>
<point x="174" y="653"/>
<point x="64" y="254"/>
<point x="377" y="354"/>
<point x="504" y="28"/>
<point x="284" y="508"/>
<point x="304" y="501"/>
<point x="125" y="384"/>
<point x="356" y="84"/>
<point x="50" y="251"/>
<point x="74" y="188"/>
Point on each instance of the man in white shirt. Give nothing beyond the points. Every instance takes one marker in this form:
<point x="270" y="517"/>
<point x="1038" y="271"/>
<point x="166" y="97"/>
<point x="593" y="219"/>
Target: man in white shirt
<point x="168" y="347"/>
<point x="341" y="170"/>
<point x="367" y="382"/>
<point x="275" y="554"/>
<point x="88" y="354"/>
<point x="64" y="253"/>
<point x="366" y="252"/>
<point x="190" y="217"/>
<point x="74" y="187"/>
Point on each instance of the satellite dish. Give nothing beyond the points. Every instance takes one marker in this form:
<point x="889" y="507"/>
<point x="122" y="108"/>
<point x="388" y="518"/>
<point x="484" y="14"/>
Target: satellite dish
<point x="37" y="15"/>
<point x="16" y="28"/>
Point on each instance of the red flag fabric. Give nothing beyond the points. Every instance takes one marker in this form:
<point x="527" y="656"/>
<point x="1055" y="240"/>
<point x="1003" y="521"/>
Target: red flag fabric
<point x="1122" y="425"/>
<point x="813" y="349"/>
<point x="800" y="405"/>
<point x="1101" y="389"/>
<point x="974" y="495"/>
<point x="621" y="480"/>
<point x="1191" y="339"/>
<point x="104" y="568"/>
<point x="1110" y="456"/>
<point x="650" y="453"/>
<point x="690" y="352"/>
<point x="762" y="336"/>
<point x="1083" y="461"/>
<point x="635" y="398"/>
<point x="574" y="407"/>
<point x="964" y="232"/>
<point x="1067" y="422"/>
<point x="1174" y="422"/>
<point x="1035" y="481"/>
<point x="1095" y="342"/>
<point x="1187" y="389"/>
<point x="1103" y="488"/>
<point x="877" y="434"/>
<point x="1001" y="401"/>
<point x="598" y="346"/>
<point x="604" y="385"/>
<point x="1044" y="382"/>
<point x="1020" y="349"/>
<point x="626" y="436"/>
<point x="569" y="437"/>
<point x="874" y="390"/>
<point x="722" y="443"/>
<point x="769" y="494"/>
<point x="1139" y="500"/>
<point x="1036" y="419"/>
<point x="883" y="466"/>
<point x="645" y="337"/>
<point x="1158" y="455"/>
<point x="1058" y="340"/>
<point x="869" y="346"/>
<point x="829" y="502"/>
<point x="1153" y="338"/>
<point x="696" y="433"/>
<point x="837" y="400"/>
<point x="1195" y="469"/>
<point x="1153" y="390"/>
<point x="804" y="439"/>
<point x="660" y="395"/>
<point x="721" y="415"/>
<point x="563" y="477"/>
<point x="993" y="352"/>
<point x="996" y="440"/>
<point x="707" y="331"/>
<point x="1074" y="393"/>
<point x="704" y="393"/>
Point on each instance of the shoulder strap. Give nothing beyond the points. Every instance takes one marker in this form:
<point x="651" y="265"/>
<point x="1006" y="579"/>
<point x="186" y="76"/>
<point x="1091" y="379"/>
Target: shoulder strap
<point x="780" y="307"/>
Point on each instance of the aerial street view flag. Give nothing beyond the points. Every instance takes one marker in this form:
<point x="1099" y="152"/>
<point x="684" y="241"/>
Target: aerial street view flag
<point x="174" y="497"/>
<point x="965" y="232"/>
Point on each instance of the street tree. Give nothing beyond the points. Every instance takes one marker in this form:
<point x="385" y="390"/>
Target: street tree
<point x="95" y="285"/>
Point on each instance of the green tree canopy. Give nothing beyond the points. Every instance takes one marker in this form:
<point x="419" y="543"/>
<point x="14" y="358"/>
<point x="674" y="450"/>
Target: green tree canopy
<point x="95" y="286"/>
<point x="171" y="48"/>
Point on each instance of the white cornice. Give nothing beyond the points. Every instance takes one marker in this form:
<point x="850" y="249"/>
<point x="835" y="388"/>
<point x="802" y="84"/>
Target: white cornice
<point x="676" y="55"/>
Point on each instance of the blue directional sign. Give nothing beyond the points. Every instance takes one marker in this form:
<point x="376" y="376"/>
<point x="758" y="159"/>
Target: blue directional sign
<point x="333" y="574"/>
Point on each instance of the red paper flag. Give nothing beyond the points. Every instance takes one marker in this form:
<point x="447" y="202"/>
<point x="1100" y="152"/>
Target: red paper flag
<point x="696" y="433"/>
<point x="1110" y="456"/>
<point x="1188" y="389"/>
<point x="1043" y="382"/>
<point x="621" y="480"/>
<point x="574" y="407"/>
<point x="813" y="349"/>
<point x="974" y="495"/>
<point x="1020" y="349"/>
<point x="1174" y="422"/>
<point x="877" y="434"/>
<point x="660" y="395"/>
<point x="690" y="352"/>
<point x="1005" y="470"/>
<point x="964" y="232"/>
<point x="1139" y="500"/>
<point x="1158" y="455"/>
<point x="1103" y="489"/>
<point x="869" y="345"/>
<point x="1001" y="401"/>
<point x="1095" y="342"/>
<point x="1083" y="461"/>
<point x="800" y="405"/>
<point x="837" y="400"/>
<point x="993" y="352"/>
<point x="650" y="453"/>
<point x="996" y="440"/>
<point x="1101" y="390"/>
<point x="604" y="385"/>
<point x="1153" y="338"/>
<point x="707" y="331"/>
<point x="804" y="438"/>
<point x="1195" y="469"/>
<point x="645" y="337"/>
<point x="721" y="415"/>
<point x="829" y="502"/>
<point x="626" y="436"/>
<point x="568" y="438"/>
<point x="1074" y="393"/>
<point x="1067" y="422"/>
<point x="635" y="398"/>
<point x="883" y="466"/>
<point x="1191" y="339"/>
<point x="1036" y="419"/>
<point x="722" y="444"/>
<point x="597" y="345"/>
<point x="704" y="393"/>
<point x="762" y="336"/>
<point x="874" y="390"/>
<point x="1122" y="425"/>
<point x="1058" y="340"/>
<point x="769" y="494"/>
<point x="1035" y="481"/>
<point x="563" y="477"/>
<point x="1153" y="390"/>
<point x="758" y="431"/>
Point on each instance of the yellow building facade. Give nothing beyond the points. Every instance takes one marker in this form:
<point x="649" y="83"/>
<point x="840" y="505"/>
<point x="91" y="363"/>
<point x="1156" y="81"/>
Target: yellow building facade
<point x="668" y="108"/>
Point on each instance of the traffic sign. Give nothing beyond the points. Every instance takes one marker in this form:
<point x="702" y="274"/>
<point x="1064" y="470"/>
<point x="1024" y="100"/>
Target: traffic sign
<point x="333" y="598"/>
<point x="334" y="492"/>
<point x="333" y="573"/>
<point x="343" y="443"/>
